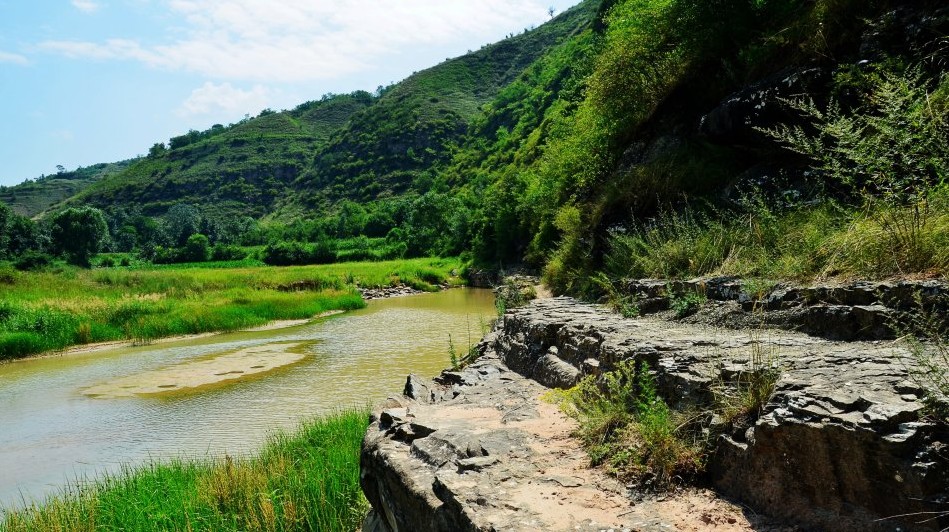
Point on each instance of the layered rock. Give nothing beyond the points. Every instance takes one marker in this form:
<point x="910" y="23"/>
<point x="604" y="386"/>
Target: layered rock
<point x="842" y="444"/>
<point x="856" y="311"/>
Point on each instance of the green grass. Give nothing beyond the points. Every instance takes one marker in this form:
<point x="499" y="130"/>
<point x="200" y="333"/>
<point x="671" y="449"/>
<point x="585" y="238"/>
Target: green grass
<point x="804" y="244"/>
<point x="44" y="311"/>
<point x="308" y="480"/>
<point x="627" y="427"/>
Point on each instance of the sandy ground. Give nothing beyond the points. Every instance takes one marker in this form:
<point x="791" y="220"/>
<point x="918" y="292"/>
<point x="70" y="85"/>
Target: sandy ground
<point x="202" y="373"/>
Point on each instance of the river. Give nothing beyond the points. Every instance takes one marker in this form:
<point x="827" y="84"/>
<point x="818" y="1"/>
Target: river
<point x="65" y="418"/>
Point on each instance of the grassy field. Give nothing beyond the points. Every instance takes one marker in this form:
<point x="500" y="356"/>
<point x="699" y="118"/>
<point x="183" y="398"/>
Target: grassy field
<point x="44" y="311"/>
<point x="303" y="481"/>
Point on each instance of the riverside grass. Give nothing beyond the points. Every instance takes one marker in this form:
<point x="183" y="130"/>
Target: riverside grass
<point x="51" y="310"/>
<point x="308" y="480"/>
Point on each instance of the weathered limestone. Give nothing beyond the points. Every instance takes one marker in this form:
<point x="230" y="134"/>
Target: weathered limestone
<point x="841" y="445"/>
<point x="856" y="311"/>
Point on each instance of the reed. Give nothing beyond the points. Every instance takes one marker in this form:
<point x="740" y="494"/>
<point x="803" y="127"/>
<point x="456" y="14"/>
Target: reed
<point x="307" y="480"/>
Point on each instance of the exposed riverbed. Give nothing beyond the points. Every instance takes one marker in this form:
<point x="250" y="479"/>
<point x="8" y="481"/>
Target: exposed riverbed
<point x="78" y="415"/>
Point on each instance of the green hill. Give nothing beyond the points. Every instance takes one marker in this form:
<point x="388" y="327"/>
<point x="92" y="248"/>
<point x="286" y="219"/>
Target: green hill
<point x="411" y="131"/>
<point x="242" y="168"/>
<point x="35" y="196"/>
<point x="357" y="146"/>
<point x="623" y="137"/>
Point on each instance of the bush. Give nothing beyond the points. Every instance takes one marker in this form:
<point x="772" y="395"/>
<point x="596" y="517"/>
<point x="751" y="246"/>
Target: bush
<point x="196" y="249"/>
<point x="32" y="260"/>
<point x="285" y="253"/>
<point x="627" y="426"/>
<point x="893" y="154"/>
<point x="225" y="252"/>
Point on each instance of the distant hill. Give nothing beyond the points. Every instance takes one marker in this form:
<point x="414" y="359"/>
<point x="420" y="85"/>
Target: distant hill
<point x="244" y="167"/>
<point x="35" y="196"/>
<point x="355" y="146"/>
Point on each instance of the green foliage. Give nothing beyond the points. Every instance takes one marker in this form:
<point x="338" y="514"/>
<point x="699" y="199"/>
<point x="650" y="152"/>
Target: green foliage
<point x="616" y="299"/>
<point x="514" y="292"/>
<point x="308" y="480"/>
<point x="79" y="234"/>
<point x="627" y="426"/>
<point x="197" y="248"/>
<point x="894" y="154"/>
<point x="32" y="260"/>
<point x="893" y="149"/>
<point x="686" y="304"/>
<point x="754" y="240"/>
<point x="296" y="253"/>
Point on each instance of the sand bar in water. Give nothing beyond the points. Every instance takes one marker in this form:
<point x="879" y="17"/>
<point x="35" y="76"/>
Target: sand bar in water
<point x="205" y="372"/>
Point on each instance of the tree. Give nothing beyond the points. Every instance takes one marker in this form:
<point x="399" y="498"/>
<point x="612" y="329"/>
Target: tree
<point x="197" y="249"/>
<point x="183" y="220"/>
<point x="79" y="234"/>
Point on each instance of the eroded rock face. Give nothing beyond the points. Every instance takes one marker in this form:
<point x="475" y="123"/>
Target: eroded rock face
<point x="840" y="446"/>
<point x="856" y="311"/>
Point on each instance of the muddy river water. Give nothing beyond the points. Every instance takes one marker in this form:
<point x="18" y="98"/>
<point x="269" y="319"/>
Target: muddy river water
<point x="64" y="418"/>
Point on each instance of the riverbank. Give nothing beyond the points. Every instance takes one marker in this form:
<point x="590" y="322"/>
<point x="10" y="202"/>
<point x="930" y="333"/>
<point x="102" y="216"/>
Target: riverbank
<point x="841" y="436"/>
<point x="98" y="347"/>
<point x="46" y="312"/>
<point x="306" y="480"/>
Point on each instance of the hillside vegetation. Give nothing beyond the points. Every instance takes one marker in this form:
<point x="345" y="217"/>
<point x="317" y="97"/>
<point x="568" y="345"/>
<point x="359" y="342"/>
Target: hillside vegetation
<point x="776" y="138"/>
<point x="35" y="196"/>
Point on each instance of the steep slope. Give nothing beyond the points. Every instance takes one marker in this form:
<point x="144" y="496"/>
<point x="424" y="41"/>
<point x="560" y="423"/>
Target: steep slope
<point x="412" y="129"/>
<point x="357" y="147"/>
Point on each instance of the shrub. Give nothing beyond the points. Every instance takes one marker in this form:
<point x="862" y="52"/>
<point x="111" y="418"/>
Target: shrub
<point x="627" y="426"/>
<point x="196" y="249"/>
<point x="226" y="252"/>
<point x="32" y="260"/>
<point x="685" y="305"/>
<point x="893" y="154"/>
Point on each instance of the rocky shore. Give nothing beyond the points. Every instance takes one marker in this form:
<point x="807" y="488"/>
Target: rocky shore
<point x="843" y="443"/>
<point x="386" y="292"/>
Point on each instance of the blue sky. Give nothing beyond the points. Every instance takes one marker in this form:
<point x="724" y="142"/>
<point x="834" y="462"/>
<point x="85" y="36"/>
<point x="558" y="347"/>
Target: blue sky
<point x="88" y="81"/>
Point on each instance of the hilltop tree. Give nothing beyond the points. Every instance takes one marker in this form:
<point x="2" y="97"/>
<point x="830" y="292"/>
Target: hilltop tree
<point x="79" y="234"/>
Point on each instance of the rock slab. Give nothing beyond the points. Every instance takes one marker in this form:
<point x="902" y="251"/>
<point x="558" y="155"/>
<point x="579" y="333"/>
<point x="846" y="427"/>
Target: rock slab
<point x="842" y="444"/>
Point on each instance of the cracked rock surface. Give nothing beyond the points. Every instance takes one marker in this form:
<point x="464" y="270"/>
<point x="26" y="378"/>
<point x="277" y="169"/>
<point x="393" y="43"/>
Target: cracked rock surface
<point x="841" y="445"/>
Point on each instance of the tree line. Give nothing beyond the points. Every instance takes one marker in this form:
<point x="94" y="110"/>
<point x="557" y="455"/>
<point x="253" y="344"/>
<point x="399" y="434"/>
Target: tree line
<point x="435" y="223"/>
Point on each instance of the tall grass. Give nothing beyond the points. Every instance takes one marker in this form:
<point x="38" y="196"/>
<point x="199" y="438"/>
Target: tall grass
<point x="308" y="480"/>
<point x="44" y="311"/>
<point x="625" y="425"/>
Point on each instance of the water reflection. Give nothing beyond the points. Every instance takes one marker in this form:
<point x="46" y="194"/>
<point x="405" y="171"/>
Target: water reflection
<point x="51" y="432"/>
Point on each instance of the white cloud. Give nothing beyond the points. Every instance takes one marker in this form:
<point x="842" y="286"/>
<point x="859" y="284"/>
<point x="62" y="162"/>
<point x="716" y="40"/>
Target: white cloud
<point x="63" y="134"/>
<point x="16" y="59"/>
<point x="300" y="40"/>
<point x="88" y="6"/>
<point x="217" y="99"/>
